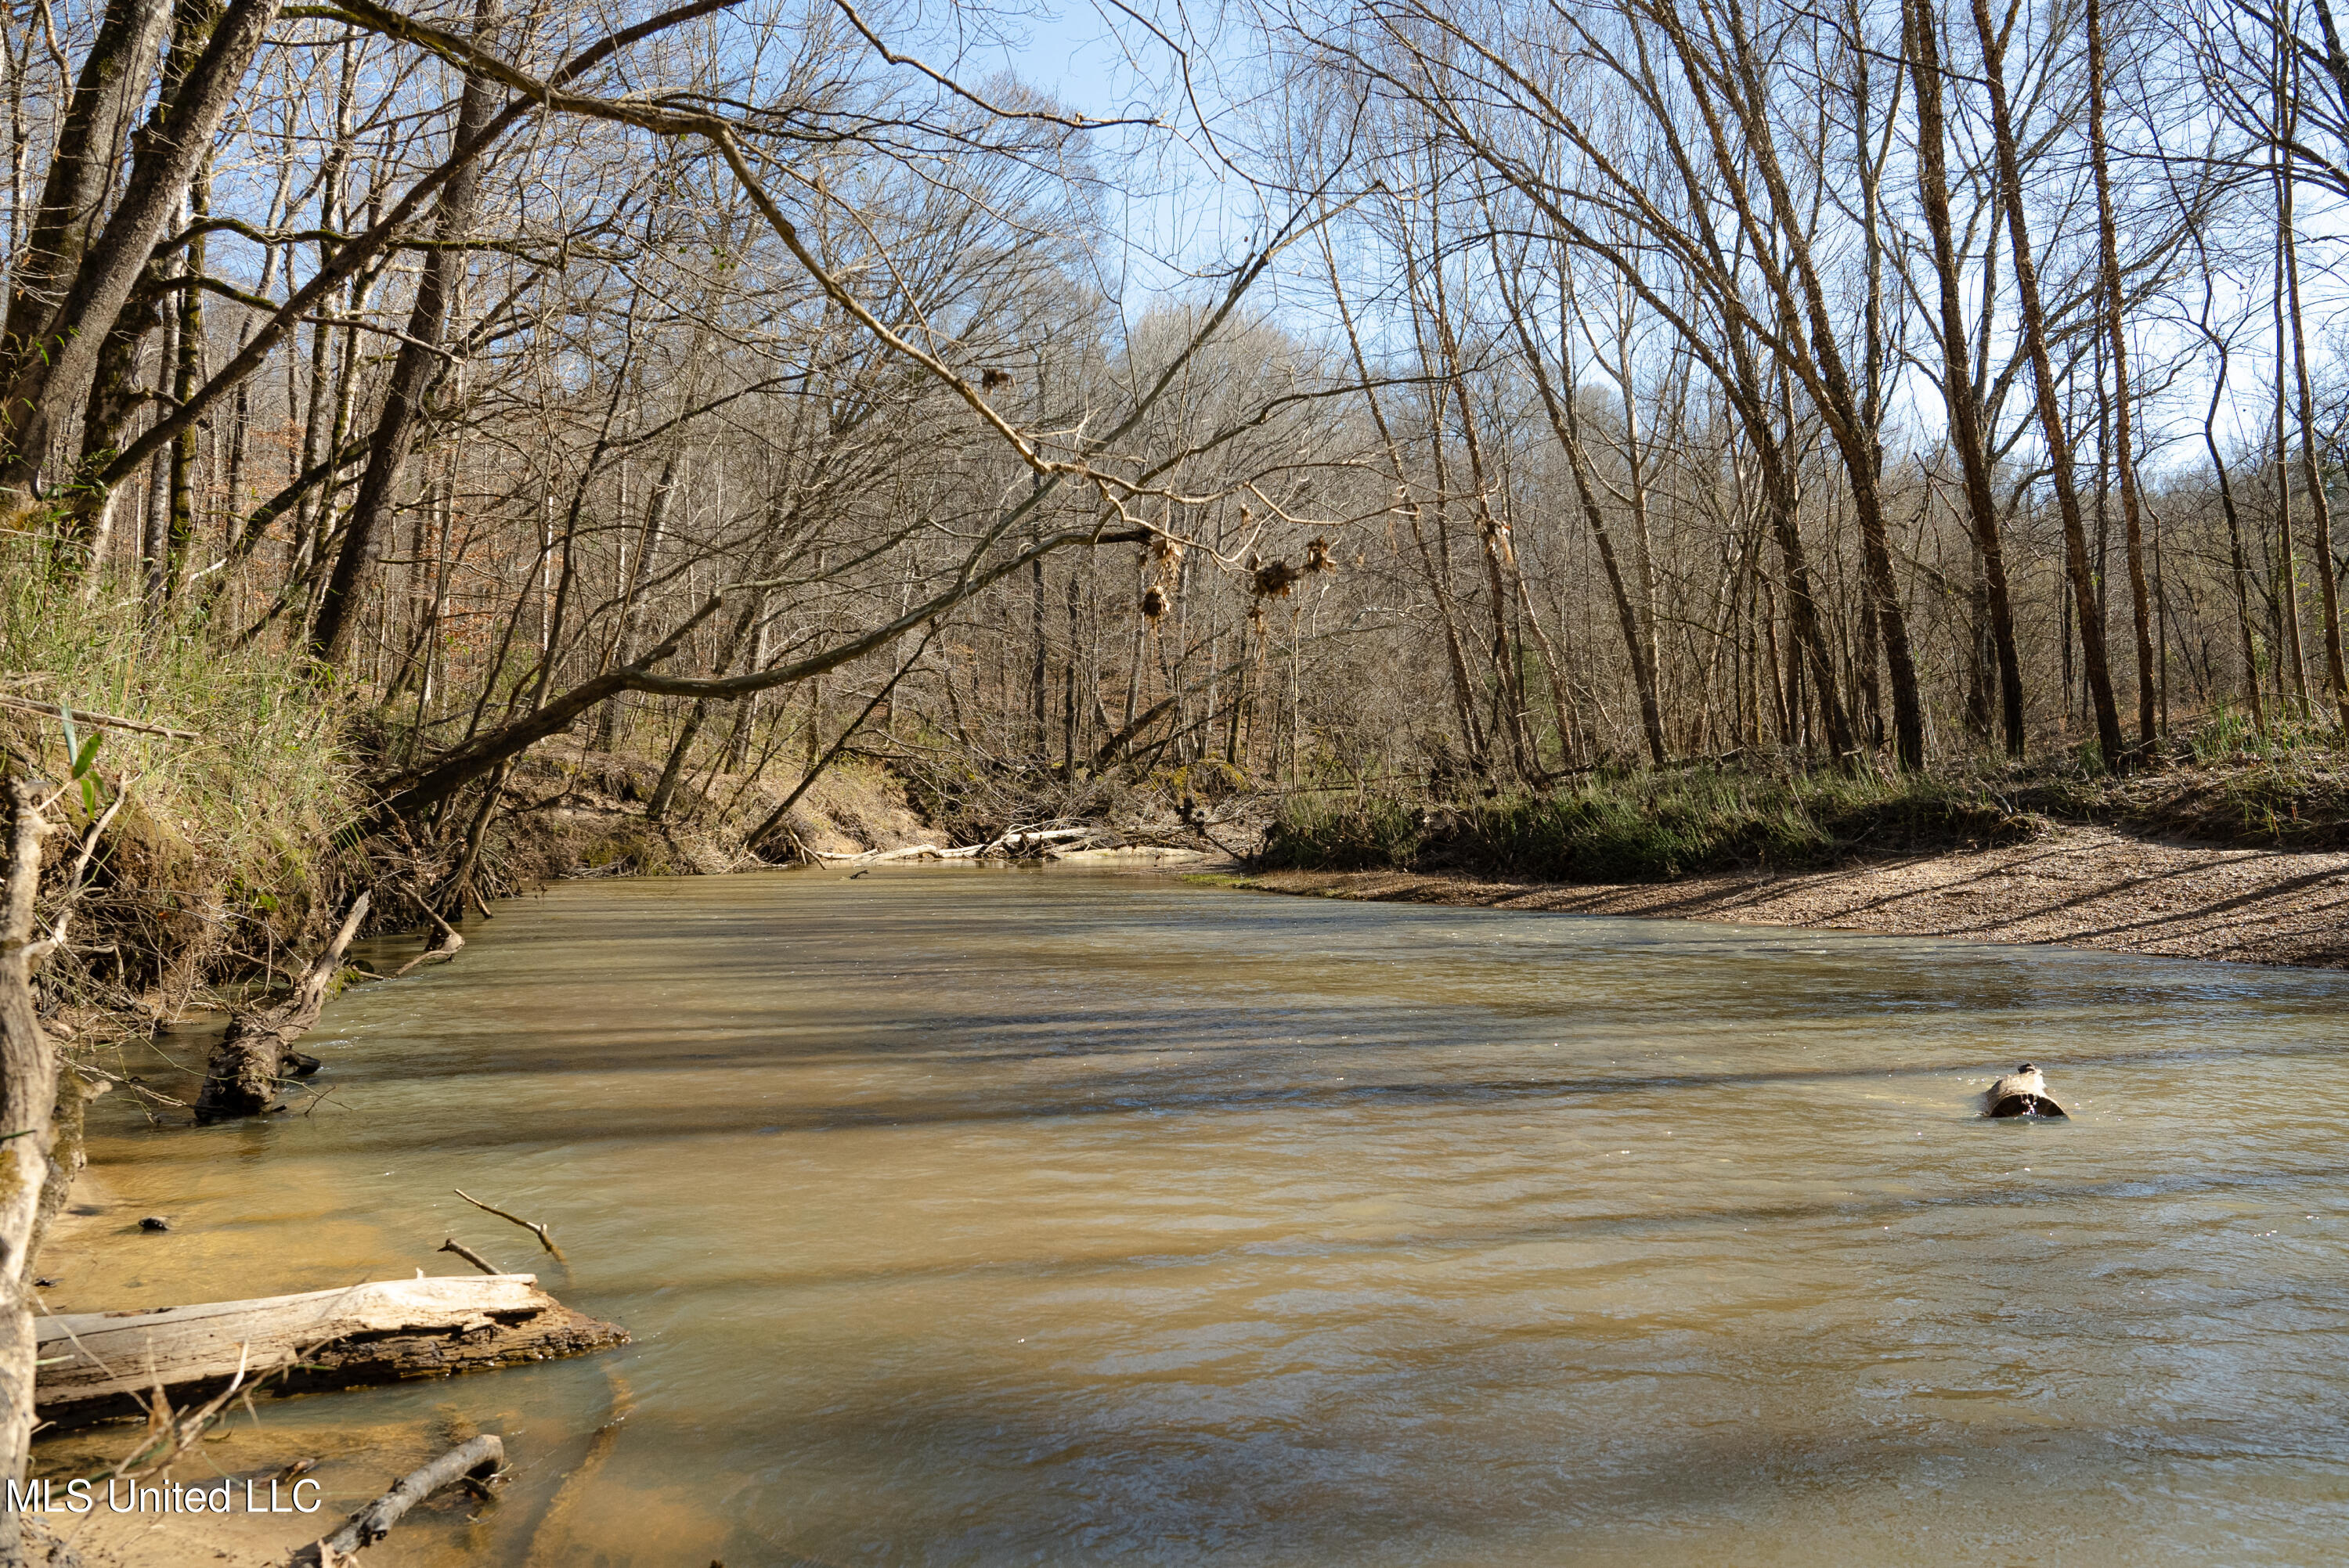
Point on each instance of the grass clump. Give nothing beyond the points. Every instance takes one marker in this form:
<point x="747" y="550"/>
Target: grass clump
<point x="222" y="845"/>
<point x="1646" y="827"/>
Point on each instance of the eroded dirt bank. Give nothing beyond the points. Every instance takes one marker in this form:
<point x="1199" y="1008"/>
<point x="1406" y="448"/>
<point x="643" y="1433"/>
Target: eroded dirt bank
<point x="2089" y="887"/>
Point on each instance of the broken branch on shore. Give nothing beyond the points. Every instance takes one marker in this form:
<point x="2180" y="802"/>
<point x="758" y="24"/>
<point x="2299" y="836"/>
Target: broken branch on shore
<point x="1040" y="843"/>
<point x="98" y="1366"/>
<point x="250" y="1065"/>
<point x="97" y="720"/>
<point x="533" y="1226"/>
<point x="479" y="1459"/>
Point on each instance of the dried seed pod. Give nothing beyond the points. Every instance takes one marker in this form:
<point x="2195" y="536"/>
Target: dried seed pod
<point x="1317" y="555"/>
<point x="1274" y="578"/>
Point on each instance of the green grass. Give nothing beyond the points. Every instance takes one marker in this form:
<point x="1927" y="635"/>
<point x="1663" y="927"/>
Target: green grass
<point x="222" y="842"/>
<point x="1645" y="827"/>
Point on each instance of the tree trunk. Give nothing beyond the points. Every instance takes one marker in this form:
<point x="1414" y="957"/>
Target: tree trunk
<point x="1565" y="426"/>
<point x="665" y="792"/>
<point x="608" y="725"/>
<point x="1455" y="659"/>
<point x="2311" y="476"/>
<point x="28" y="1088"/>
<point x="1960" y="391"/>
<point x="250" y="1065"/>
<point x="2050" y="417"/>
<point x="48" y="372"/>
<point x="413" y="376"/>
<point x="114" y="78"/>
<point x="2108" y="250"/>
<point x="187" y="372"/>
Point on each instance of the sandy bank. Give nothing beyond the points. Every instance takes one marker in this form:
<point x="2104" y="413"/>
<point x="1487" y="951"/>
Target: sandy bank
<point x="2089" y="887"/>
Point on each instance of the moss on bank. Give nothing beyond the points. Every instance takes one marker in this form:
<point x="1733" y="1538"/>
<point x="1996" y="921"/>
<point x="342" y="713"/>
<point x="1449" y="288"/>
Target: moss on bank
<point x="1655" y="827"/>
<point x="1647" y="827"/>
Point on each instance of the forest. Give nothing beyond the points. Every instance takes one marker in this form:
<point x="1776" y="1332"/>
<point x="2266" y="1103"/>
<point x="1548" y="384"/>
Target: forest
<point x="1595" y="386"/>
<point x="1394" y="402"/>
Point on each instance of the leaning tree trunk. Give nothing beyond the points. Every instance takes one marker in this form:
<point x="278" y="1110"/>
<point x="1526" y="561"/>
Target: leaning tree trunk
<point x="753" y="611"/>
<point x="1557" y="403"/>
<point x="48" y="372"/>
<point x="28" y="1087"/>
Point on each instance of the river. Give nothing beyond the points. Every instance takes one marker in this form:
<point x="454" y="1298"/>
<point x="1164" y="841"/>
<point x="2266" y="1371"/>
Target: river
<point x="994" y="1217"/>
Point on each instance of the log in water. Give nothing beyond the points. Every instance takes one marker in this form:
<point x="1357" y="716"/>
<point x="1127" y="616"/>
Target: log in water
<point x="976" y="1217"/>
<point x="100" y="1364"/>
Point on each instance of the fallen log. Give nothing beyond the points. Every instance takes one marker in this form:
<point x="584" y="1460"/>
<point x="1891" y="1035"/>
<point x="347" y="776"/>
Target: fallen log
<point x="97" y="1366"/>
<point x="254" y="1059"/>
<point x="479" y="1458"/>
<point x="1027" y="838"/>
<point x="911" y="852"/>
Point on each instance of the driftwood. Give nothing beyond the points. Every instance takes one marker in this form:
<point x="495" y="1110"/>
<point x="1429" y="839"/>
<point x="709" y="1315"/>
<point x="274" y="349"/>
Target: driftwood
<point x="479" y="1459"/>
<point x="1028" y="842"/>
<point x="533" y="1226"/>
<point x="451" y="944"/>
<point x="99" y="1365"/>
<point x="453" y="1245"/>
<point x="910" y="852"/>
<point x="254" y="1058"/>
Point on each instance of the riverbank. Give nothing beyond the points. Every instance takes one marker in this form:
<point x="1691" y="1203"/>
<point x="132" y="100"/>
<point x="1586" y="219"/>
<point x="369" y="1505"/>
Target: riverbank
<point x="2079" y="885"/>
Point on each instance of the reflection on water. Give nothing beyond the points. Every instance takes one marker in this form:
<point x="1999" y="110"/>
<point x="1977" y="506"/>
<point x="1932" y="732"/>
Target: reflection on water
<point x="977" y="1217"/>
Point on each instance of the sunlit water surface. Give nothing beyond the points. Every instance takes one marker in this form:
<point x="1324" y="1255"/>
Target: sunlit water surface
<point x="984" y="1218"/>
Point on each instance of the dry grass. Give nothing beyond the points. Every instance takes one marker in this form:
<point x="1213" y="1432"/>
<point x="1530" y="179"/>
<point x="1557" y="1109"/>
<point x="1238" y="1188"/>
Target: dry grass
<point x="224" y="846"/>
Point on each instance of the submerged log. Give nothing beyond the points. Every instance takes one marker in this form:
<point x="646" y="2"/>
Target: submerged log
<point x="254" y="1058"/>
<point x="2023" y="1092"/>
<point x="99" y="1365"/>
<point x="480" y="1460"/>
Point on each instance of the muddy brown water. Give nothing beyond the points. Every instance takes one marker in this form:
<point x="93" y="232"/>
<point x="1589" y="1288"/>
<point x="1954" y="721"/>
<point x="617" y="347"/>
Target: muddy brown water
<point x="968" y="1217"/>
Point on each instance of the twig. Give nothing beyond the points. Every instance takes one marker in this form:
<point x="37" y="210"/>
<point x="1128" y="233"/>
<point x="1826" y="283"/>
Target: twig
<point x="481" y="1457"/>
<point x="453" y="1245"/>
<point x="103" y="720"/>
<point x="319" y="1098"/>
<point x="170" y="1435"/>
<point x="74" y="884"/>
<point x="530" y="1225"/>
